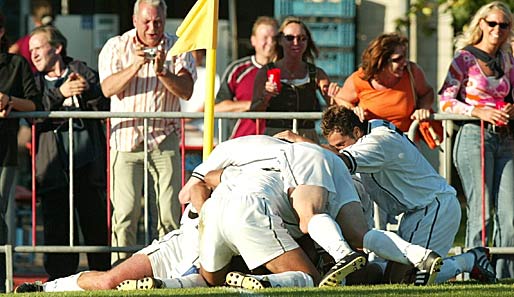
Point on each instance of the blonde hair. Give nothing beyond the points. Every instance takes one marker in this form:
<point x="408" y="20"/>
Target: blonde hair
<point x="473" y="34"/>
<point x="264" y="20"/>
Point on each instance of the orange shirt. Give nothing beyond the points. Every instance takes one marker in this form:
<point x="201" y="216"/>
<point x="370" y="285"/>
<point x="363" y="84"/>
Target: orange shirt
<point x="395" y="104"/>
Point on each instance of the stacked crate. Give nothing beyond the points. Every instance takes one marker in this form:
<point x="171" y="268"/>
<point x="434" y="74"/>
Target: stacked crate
<point x="332" y="24"/>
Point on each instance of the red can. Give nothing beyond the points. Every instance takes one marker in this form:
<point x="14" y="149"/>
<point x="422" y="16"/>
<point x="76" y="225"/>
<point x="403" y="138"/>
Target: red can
<point x="274" y="76"/>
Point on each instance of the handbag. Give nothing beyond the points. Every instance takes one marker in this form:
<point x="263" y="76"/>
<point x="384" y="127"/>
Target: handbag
<point x="430" y="131"/>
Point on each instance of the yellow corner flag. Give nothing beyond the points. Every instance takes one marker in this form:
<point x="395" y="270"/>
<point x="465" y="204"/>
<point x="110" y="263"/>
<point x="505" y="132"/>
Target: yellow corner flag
<point x="199" y="30"/>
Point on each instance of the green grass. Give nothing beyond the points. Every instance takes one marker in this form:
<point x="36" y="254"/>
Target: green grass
<point x="465" y="289"/>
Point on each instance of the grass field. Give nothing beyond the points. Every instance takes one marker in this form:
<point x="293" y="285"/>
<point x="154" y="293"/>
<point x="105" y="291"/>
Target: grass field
<point x="464" y="289"/>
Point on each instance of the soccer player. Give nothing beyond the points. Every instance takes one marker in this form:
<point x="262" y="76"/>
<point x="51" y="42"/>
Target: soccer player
<point x="173" y="256"/>
<point x="391" y="164"/>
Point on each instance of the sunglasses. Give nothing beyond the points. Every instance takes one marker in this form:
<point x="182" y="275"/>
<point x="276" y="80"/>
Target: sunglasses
<point x="299" y="38"/>
<point x="398" y="59"/>
<point x="503" y="26"/>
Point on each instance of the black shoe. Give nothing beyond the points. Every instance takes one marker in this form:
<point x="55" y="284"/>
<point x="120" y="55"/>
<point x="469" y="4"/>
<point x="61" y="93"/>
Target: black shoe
<point x="241" y="280"/>
<point x="482" y="271"/>
<point x="337" y="274"/>
<point x="36" y="286"/>
<point x="428" y="269"/>
<point x="146" y="283"/>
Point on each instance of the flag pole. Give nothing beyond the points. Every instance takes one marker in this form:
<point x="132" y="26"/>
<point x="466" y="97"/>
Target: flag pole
<point x="208" y="116"/>
<point x="210" y="65"/>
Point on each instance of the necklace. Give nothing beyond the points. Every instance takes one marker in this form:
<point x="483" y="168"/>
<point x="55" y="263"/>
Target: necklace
<point x="291" y="75"/>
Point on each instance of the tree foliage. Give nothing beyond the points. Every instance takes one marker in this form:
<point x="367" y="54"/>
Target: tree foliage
<point x="461" y="10"/>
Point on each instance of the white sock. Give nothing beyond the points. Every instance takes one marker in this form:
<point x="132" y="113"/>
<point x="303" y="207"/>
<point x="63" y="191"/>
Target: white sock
<point x="63" y="284"/>
<point x="287" y="279"/>
<point x="325" y="232"/>
<point x="390" y="246"/>
<point x="189" y="281"/>
<point x="455" y="265"/>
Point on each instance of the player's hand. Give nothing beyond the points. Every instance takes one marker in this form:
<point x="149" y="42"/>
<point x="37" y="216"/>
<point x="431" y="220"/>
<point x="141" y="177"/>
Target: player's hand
<point x="292" y="137"/>
<point x="184" y="196"/>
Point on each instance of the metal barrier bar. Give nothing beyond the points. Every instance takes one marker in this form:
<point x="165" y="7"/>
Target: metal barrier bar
<point x="71" y="179"/>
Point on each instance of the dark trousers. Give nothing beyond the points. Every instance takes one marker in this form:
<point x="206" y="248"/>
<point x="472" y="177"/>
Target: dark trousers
<point x="89" y="213"/>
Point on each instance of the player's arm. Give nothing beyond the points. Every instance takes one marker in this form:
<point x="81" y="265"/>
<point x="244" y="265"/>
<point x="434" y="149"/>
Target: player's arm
<point x="200" y="192"/>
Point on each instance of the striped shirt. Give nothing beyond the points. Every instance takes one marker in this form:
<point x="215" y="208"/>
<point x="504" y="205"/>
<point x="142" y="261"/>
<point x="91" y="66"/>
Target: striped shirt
<point x="144" y="93"/>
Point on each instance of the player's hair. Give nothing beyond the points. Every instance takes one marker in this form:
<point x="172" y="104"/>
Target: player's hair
<point x="54" y="36"/>
<point x="341" y="120"/>
<point x="264" y="20"/>
<point x="155" y="3"/>
<point x="473" y="34"/>
<point x="378" y="52"/>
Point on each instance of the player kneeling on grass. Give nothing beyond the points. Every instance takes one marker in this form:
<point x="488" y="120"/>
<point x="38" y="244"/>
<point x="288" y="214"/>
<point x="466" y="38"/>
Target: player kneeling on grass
<point x="403" y="181"/>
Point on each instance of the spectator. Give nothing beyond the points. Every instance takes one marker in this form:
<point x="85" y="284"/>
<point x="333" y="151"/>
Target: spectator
<point x="69" y="85"/>
<point x="18" y="92"/>
<point x="235" y="94"/>
<point x="139" y="82"/>
<point x="299" y="80"/>
<point x="381" y="88"/>
<point x="479" y="80"/>
<point x="41" y="15"/>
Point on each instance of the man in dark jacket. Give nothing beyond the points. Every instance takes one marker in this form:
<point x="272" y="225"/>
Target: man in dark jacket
<point x="70" y="86"/>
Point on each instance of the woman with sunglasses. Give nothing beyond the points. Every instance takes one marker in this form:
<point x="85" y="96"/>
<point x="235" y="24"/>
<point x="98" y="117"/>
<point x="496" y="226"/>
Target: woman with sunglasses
<point x="479" y="84"/>
<point x="293" y="88"/>
<point x="382" y="87"/>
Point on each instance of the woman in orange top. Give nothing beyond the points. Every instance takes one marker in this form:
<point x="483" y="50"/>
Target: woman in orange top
<point x="381" y="88"/>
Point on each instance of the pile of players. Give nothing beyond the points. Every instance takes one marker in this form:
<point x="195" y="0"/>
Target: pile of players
<point x="282" y="212"/>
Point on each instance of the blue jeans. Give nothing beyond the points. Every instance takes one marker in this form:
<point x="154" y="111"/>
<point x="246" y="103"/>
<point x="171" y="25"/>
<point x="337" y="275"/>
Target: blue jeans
<point x="499" y="192"/>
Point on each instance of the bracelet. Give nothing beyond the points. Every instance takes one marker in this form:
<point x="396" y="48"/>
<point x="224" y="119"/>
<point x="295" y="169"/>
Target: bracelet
<point x="9" y="100"/>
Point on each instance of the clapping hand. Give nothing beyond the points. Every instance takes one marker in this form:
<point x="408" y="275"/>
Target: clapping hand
<point x="75" y="85"/>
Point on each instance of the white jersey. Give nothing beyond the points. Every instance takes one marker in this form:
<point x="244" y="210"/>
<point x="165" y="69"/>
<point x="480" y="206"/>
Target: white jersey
<point x="391" y="165"/>
<point x="299" y="164"/>
<point x="176" y="253"/>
